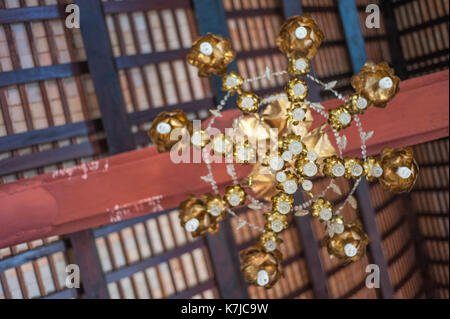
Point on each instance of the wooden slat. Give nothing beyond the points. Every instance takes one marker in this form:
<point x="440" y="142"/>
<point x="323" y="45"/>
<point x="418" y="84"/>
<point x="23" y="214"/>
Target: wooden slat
<point x="148" y="115"/>
<point x="433" y="214"/>
<point x="252" y="12"/>
<point x="143" y="5"/>
<point x="68" y="293"/>
<point x="394" y="228"/>
<point x="438" y="262"/>
<point x="377" y="37"/>
<point x="418" y="241"/>
<point x="386" y="204"/>
<point x="403" y="250"/>
<point x="30" y="14"/>
<point x="256" y="53"/>
<point x="49" y="134"/>
<point x="428" y="68"/>
<point x="153" y="261"/>
<point x="41" y="159"/>
<point x="128" y="61"/>
<point x="186" y="294"/>
<point x="354" y="290"/>
<point x="428" y="24"/>
<point x="43" y="73"/>
<point x="399" y="3"/>
<point x="320" y="9"/>
<point x="269" y="91"/>
<point x="429" y="56"/>
<point x="31" y="255"/>
<point x="407" y="277"/>
<point x="336" y="77"/>
<point x="298" y="292"/>
<point x="117" y="227"/>
<point x="55" y="133"/>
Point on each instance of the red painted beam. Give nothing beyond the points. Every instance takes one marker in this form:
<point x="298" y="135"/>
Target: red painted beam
<point x="101" y="192"/>
<point x="143" y="181"/>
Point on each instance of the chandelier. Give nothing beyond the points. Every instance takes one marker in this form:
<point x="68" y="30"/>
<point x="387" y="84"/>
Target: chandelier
<point x="287" y="160"/>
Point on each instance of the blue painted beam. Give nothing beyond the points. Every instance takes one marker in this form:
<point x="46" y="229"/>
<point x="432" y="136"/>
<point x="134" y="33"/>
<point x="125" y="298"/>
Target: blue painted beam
<point x="353" y="34"/>
<point x="211" y="18"/>
<point x="292" y="8"/>
<point x="357" y="49"/>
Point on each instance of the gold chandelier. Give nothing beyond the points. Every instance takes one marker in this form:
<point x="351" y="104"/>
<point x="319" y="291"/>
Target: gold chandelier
<point x="298" y="154"/>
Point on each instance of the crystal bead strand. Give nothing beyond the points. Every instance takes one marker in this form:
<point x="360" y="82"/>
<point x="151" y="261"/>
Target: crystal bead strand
<point x="267" y="75"/>
<point x="212" y="181"/>
<point x="243" y="221"/>
<point x="362" y="136"/>
<point x="338" y="138"/>
<point x="218" y="109"/>
<point x="355" y="186"/>
<point x="309" y="203"/>
<point x="324" y="85"/>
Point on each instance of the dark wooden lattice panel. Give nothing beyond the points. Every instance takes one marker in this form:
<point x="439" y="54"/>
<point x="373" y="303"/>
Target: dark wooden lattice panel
<point x="48" y="120"/>
<point x="154" y="257"/>
<point x="414" y="227"/>
<point x="50" y="123"/>
<point x="430" y="204"/>
<point x="35" y="270"/>
<point x="423" y="30"/>
<point x="398" y="244"/>
<point x="150" y="42"/>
